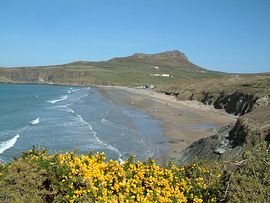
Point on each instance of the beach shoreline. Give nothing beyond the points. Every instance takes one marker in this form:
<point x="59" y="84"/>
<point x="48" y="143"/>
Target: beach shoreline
<point x="184" y="122"/>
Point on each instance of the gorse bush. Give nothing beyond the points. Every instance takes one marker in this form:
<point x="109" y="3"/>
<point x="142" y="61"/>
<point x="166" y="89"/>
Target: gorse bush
<point x="39" y="177"/>
<point x="89" y="178"/>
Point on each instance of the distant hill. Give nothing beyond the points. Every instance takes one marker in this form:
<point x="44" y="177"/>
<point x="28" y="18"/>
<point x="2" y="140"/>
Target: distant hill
<point x="173" y="58"/>
<point x="168" y="71"/>
<point x="135" y="70"/>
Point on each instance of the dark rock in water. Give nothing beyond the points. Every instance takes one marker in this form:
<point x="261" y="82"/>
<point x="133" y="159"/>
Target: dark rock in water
<point x="229" y="145"/>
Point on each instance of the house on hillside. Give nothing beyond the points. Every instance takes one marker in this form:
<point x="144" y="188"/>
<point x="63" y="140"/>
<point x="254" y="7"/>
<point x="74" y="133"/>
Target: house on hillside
<point x="161" y="75"/>
<point x="165" y="75"/>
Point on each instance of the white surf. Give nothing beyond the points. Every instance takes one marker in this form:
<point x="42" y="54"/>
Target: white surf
<point x="8" y="144"/>
<point x="58" y="100"/>
<point x="35" y="121"/>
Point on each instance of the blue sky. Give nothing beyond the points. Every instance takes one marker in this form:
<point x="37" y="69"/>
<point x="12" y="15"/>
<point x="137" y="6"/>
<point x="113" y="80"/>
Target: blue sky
<point x="224" y="35"/>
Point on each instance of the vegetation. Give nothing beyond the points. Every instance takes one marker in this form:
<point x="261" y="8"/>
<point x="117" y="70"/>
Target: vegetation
<point x="39" y="177"/>
<point x="249" y="179"/>
<point x="126" y="71"/>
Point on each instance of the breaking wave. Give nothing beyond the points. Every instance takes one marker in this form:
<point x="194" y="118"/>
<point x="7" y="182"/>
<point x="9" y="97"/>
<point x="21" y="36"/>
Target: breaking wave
<point x="8" y="144"/>
<point x="35" y="121"/>
<point x="108" y="145"/>
<point x="63" y="108"/>
<point x="58" y="100"/>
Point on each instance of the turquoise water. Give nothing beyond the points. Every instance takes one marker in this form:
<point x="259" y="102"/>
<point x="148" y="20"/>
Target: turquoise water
<point x="64" y="118"/>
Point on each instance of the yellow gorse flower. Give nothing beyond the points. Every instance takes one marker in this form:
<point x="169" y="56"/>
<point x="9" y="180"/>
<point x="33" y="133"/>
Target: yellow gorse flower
<point x="112" y="181"/>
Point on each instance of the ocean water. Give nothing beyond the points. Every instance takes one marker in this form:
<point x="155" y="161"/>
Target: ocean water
<point x="65" y="118"/>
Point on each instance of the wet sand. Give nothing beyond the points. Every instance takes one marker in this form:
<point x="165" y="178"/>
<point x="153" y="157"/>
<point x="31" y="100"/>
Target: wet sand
<point x="184" y="122"/>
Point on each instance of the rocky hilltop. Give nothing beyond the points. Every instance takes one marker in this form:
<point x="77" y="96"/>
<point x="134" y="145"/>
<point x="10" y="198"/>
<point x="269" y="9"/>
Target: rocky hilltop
<point x="172" y="58"/>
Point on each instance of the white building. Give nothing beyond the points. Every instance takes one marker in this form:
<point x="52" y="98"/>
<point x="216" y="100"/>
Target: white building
<point x="161" y="75"/>
<point x="165" y="75"/>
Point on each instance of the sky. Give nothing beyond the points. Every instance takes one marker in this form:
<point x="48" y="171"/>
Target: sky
<point x="223" y="35"/>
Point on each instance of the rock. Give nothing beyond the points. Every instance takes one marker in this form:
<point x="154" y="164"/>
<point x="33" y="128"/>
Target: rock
<point x="251" y="128"/>
<point x="262" y="101"/>
<point x="237" y="103"/>
<point x="215" y="148"/>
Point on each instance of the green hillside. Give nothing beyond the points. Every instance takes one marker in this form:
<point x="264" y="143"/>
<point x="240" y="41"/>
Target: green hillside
<point x="126" y="71"/>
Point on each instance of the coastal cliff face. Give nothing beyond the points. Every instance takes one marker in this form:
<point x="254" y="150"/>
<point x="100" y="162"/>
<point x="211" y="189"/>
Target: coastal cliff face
<point x="229" y="145"/>
<point x="45" y="75"/>
<point x="237" y="103"/>
<point x="235" y="94"/>
<point x="251" y="128"/>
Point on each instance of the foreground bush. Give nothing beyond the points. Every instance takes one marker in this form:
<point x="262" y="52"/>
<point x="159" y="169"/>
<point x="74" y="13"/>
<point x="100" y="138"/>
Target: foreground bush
<point x="249" y="179"/>
<point x="40" y="177"/>
<point x="37" y="177"/>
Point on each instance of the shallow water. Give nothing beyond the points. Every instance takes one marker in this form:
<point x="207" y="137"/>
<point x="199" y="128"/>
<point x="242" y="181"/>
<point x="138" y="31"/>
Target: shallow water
<point x="204" y="126"/>
<point x="64" y="118"/>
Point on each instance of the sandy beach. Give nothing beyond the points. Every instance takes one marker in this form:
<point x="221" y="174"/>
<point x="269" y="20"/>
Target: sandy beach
<point x="183" y="121"/>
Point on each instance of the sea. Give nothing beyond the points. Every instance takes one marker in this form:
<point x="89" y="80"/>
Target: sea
<point x="67" y="118"/>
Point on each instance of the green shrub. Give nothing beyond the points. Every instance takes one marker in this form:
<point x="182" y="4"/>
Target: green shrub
<point x="249" y="179"/>
<point x="24" y="181"/>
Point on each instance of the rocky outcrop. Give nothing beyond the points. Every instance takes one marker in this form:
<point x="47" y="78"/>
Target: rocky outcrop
<point x="174" y="54"/>
<point x="237" y="103"/>
<point x="261" y="101"/>
<point x="251" y="128"/>
<point x="216" y="148"/>
<point x="229" y="145"/>
<point x="172" y="58"/>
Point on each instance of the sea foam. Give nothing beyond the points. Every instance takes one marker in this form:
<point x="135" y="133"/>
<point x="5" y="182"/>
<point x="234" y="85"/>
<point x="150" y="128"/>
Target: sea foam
<point x="8" y="144"/>
<point x="62" y="108"/>
<point x="58" y="100"/>
<point x="35" y="121"/>
<point x="103" y="142"/>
